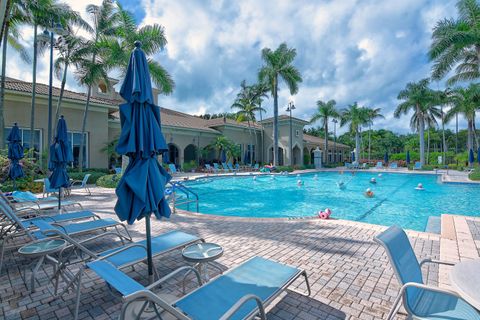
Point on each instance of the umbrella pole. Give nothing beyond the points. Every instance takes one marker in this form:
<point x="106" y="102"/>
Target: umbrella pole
<point x="149" y="249"/>
<point x="59" y="198"/>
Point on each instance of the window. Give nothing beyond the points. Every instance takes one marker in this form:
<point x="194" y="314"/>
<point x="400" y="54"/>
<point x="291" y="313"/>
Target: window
<point x="242" y="153"/>
<point x="25" y="135"/>
<point x="75" y="141"/>
<point x="250" y="151"/>
<point x="297" y="133"/>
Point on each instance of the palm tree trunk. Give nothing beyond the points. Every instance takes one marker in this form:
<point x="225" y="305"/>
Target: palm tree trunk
<point x="474" y="129"/>
<point x="60" y="97"/>
<point x="34" y="88"/>
<point x="275" y="122"/>
<point x="262" y="137"/>
<point x="470" y="135"/>
<point x="357" y="146"/>
<point x="456" y="133"/>
<point x="428" y="146"/>
<point x="2" y="86"/>
<point x="369" y="141"/>
<point x="422" y="141"/>
<point x="4" y="16"/>
<point x="84" y="124"/>
<point x="326" y="141"/>
<point x="250" y="153"/>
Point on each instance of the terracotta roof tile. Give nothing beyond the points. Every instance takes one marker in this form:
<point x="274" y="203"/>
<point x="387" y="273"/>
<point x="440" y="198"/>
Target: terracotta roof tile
<point x="320" y="141"/>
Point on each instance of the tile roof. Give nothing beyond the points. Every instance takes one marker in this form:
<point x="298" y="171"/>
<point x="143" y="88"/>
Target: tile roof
<point x="284" y="117"/>
<point x="179" y="119"/>
<point x="217" y="122"/>
<point x="321" y="141"/>
<point x="42" y="89"/>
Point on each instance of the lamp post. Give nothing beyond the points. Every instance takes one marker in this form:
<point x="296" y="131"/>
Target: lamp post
<point x="335" y="121"/>
<point x="291" y="107"/>
<point x="55" y="28"/>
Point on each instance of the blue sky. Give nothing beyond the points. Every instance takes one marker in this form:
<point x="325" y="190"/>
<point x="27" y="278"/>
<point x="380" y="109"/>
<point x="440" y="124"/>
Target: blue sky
<point x="364" y="51"/>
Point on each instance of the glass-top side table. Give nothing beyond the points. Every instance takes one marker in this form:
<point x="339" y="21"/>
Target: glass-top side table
<point x="201" y="255"/>
<point x="40" y="249"/>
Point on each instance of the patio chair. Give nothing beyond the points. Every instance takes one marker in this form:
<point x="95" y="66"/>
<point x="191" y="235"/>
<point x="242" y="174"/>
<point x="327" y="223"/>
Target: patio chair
<point x="364" y="166"/>
<point x="240" y="293"/>
<point x="37" y="204"/>
<point x="118" y="170"/>
<point x="237" y="167"/>
<point x="208" y="168"/>
<point x="225" y="167"/>
<point x="81" y="184"/>
<point x="417" y="166"/>
<point x="47" y="190"/>
<point x="27" y="196"/>
<point x="14" y="228"/>
<point x="231" y="168"/>
<point x="256" y="167"/>
<point x="216" y="167"/>
<point x="173" y="169"/>
<point x="393" y="165"/>
<point x="379" y="165"/>
<point x="128" y="255"/>
<point x="420" y="300"/>
<point x="348" y="165"/>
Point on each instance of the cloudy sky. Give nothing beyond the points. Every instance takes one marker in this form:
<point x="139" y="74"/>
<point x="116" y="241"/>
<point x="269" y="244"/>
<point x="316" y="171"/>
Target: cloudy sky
<point x="349" y="50"/>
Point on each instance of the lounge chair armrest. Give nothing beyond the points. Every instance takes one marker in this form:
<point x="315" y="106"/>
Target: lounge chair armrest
<point x="174" y="273"/>
<point x="123" y="249"/>
<point x="227" y="315"/>
<point x="429" y="260"/>
<point x="427" y="287"/>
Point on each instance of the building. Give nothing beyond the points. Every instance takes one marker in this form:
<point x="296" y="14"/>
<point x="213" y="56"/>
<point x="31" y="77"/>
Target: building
<point x="186" y="135"/>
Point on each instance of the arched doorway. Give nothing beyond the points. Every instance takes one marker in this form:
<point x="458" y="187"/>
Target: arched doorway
<point x="190" y="153"/>
<point x="279" y="156"/>
<point x="173" y="156"/>
<point x="306" y="156"/>
<point x="312" y="160"/>
<point x="297" y="154"/>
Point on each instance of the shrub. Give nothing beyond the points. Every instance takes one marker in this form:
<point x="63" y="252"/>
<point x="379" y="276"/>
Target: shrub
<point x="475" y="175"/>
<point x="23" y="184"/>
<point x="188" y="166"/>
<point x="94" y="175"/>
<point x="109" y="180"/>
<point x="284" y="168"/>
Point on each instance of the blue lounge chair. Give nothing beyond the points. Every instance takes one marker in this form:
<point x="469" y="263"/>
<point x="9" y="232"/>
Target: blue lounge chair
<point x="348" y="165"/>
<point x="420" y="301"/>
<point x="81" y="184"/>
<point x="216" y="167"/>
<point x="241" y="293"/>
<point x="47" y="190"/>
<point x="417" y="166"/>
<point x="27" y="196"/>
<point x="173" y="169"/>
<point x="256" y="167"/>
<point x="379" y="165"/>
<point x="132" y="254"/>
<point x="225" y="167"/>
<point x="394" y="165"/>
<point x="118" y="170"/>
<point x="208" y="168"/>
<point x="231" y="168"/>
<point x="37" y="205"/>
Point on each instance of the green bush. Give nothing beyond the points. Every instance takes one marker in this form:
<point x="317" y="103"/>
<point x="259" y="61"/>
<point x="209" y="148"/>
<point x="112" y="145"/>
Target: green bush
<point x="284" y="168"/>
<point x="94" y="176"/>
<point x="109" y="180"/>
<point x="307" y="158"/>
<point x="475" y="175"/>
<point x="23" y="184"/>
<point x="188" y="166"/>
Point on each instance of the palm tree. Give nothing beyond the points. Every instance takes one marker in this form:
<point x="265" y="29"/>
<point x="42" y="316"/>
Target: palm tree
<point x="373" y="113"/>
<point x="278" y="64"/>
<point x="357" y="117"/>
<point x="466" y="103"/>
<point x="247" y="104"/>
<point x="152" y="39"/>
<point x="15" y="16"/>
<point x="91" y="66"/>
<point x="420" y="99"/>
<point x="325" y="112"/>
<point x="456" y="42"/>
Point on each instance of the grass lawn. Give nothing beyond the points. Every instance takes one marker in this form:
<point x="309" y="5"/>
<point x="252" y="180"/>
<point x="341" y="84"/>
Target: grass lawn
<point x="475" y="175"/>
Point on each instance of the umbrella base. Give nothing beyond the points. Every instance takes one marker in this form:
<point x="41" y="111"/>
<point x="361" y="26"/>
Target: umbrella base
<point x="149" y="311"/>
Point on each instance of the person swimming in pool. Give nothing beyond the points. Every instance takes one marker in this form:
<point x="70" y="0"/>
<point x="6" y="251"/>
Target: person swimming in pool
<point x="369" y="193"/>
<point x="373" y="180"/>
<point x="420" y="187"/>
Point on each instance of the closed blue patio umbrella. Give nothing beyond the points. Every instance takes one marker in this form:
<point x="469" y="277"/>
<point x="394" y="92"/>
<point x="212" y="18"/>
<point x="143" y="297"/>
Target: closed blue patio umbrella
<point x="223" y="156"/>
<point x="408" y="157"/>
<point x="60" y="156"/>
<point x="353" y="156"/>
<point x="15" y="153"/>
<point x="385" y="157"/>
<point x="165" y="157"/>
<point x="246" y="157"/>
<point x="141" y="189"/>
<point x="471" y="157"/>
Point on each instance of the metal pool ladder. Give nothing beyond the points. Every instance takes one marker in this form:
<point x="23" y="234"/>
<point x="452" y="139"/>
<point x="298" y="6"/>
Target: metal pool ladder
<point x="191" y="196"/>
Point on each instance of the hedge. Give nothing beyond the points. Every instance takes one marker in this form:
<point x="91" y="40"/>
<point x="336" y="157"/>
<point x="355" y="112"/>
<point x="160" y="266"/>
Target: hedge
<point x="475" y="175"/>
<point x="109" y="180"/>
<point x="94" y="176"/>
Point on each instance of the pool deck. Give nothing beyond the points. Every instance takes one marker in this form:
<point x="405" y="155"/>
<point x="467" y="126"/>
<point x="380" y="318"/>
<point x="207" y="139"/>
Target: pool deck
<point x="349" y="274"/>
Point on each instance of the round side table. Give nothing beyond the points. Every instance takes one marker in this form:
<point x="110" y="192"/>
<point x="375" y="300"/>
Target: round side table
<point x="201" y="255"/>
<point x="40" y="249"/>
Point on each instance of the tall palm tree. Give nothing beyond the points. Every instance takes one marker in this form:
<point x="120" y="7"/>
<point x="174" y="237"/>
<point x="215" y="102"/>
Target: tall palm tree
<point x="153" y="40"/>
<point x="420" y="99"/>
<point x="278" y="65"/>
<point x="247" y="105"/>
<point x="456" y="43"/>
<point x="325" y="112"/>
<point x="91" y="66"/>
<point x="356" y="117"/>
<point x="15" y="17"/>
<point x="466" y="103"/>
<point x="373" y="113"/>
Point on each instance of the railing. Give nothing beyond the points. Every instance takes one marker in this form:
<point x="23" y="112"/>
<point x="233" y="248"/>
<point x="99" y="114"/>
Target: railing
<point x="191" y="196"/>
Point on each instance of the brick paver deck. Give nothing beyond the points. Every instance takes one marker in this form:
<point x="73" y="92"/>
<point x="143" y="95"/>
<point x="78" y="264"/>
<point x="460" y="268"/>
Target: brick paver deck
<point x="349" y="274"/>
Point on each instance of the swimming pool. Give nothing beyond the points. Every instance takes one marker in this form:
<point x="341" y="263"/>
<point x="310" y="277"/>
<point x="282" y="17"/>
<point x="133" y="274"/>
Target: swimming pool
<point x="395" y="202"/>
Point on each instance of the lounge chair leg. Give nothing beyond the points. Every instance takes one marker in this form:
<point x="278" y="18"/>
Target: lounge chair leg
<point x="77" y="302"/>
<point x="304" y="273"/>
<point x="2" y="252"/>
<point x="395" y="307"/>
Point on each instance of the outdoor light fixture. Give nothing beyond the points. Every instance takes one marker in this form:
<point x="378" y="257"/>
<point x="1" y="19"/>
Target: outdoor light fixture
<point x="290" y="107"/>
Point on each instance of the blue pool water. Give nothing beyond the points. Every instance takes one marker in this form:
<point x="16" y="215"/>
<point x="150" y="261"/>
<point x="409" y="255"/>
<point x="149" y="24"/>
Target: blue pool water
<point x="396" y="201"/>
